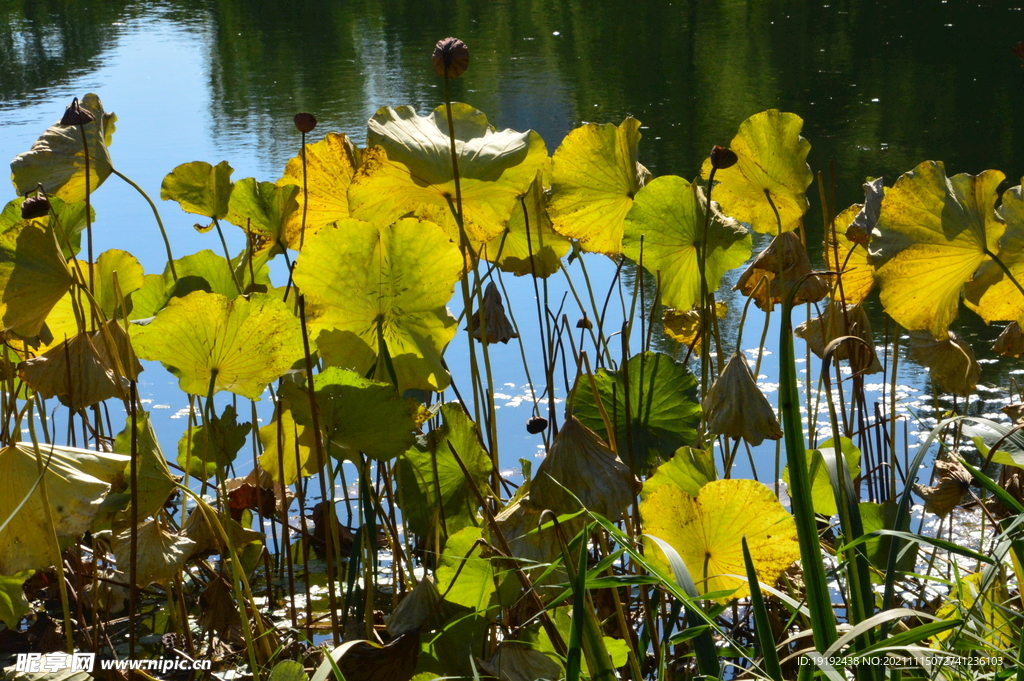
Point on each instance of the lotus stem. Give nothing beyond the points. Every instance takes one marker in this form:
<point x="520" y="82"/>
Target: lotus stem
<point x="156" y="214"/>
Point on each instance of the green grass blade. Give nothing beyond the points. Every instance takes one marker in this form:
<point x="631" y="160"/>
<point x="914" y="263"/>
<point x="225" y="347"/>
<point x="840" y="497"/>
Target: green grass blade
<point x="765" y="640"/>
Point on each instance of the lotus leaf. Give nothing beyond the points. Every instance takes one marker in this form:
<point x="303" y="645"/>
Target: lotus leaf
<point x="987" y="608"/>
<point x="356" y="414"/>
<point x="207" y="539"/>
<point x="951" y="362"/>
<point x="529" y="244"/>
<point x="689" y="470"/>
<point x="77" y="480"/>
<point x="580" y="468"/>
<point x="772" y="162"/>
<point x="663" y="407"/>
<point x="472" y="586"/>
<point x="200" y="188"/>
<point x="1010" y="342"/>
<point x="835" y="322"/>
<point x="410" y="170"/>
<point x="513" y="661"/>
<point x="161" y="555"/>
<point x="850" y="258"/>
<point x="784" y="264"/>
<point x="668" y="215"/>
<point x="413" y="611"/>
<point x="68" y="220"/>
<point x="684" y="327"/>
<point x="155" y="480"/>
<point x="287" y="447"/>
<point x="992" y="294"/>
<point x="202" y="271"/>
<point x="212" y="343"/>
<point x="428" y="471"/>
<point x="595" y="176"/>
<point x="79" y="371"/>
<point x="519" y="523"/>
<point x="707" y="531"/>
<point x="496" y="327"/>
<point x="57" y="159"/>
<point x="932" y="236"/>
<point x="211" y="447"/>
<point x="109" y="264"/>
<point x="953" y="482"/>
<point x="862" y="225"/>
<point x="883" y="517"/>
<point x="367" y="286"/>
<point x="736" y="407"/>
<point x="330" y="166"/>
<point x="822" y="497"/>
<point x="263" y="209"/>
<point x="13" y="604"/>
<point x="33" y="277"/>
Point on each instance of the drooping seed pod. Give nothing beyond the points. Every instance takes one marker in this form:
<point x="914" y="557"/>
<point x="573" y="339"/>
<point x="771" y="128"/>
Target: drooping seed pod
<point x="35" y="207"/>
<point x="736" y="407"/>
<point x="451" y="58"/>
<point x="722" y="158"/>
<point x="305" y="122"/>
<point x="584" y="323"/>
<point x="76" y="115"/>
<point x="536" y="424"/>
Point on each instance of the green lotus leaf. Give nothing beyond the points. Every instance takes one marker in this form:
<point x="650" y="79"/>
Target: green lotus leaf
<point x="473" y="585"/>
<point x="883" y="517"/>
<point x="663" y="407"/>
<point x="202" y="271"/>
<point x="991" y="293"/>
<point x="668" y="214"/>
<point x="77" y="481"/>
<point x="410" y="170"/>
<point x="772" y="160"/>
<point x="822" y="496"/>
<point x="595" y="176"/>
<point x="236" y="345"/>
<point x="33" y="277"/>
<point x="529" y="244"/>
<point x="689" y="469"/>
<point x="368" y="287"/>
<point x="13" y="604"/>
<point x="68" y="219"/>
<point x="199" y="188"/>
<point x="850" y="258"/>
<point x="356" y="414"/>
<point x="288" y="447"/>
<point x="155" y="480"/>
<point x="263" y="209"/>
<point x="161" y="555"/>
<point x="129" y="276"/>
<point x="932" y="235"/>
<point x="330" y="166"/>
<point x="428" y="471"/>
<point x="212" y="446"/>
<point x="57" y="159"/>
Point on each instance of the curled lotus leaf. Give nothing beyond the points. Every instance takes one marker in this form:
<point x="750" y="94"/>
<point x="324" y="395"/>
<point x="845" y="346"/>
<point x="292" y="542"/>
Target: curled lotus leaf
<point x="932" y="235"/>
<point x="849" y="257"/>
<point x="993" y="294"/>
<point x="951" y="361"/>
<point x="57" y="159"/>
<point x="201" y="528"/>
<point x="707" y="531"/>
<point x="161" y="554"/>
<point x="331" y="164"/>
<point x="736" y="407"/>
<point x="529" y="245"/>
<point x="212" y="446"/>
<point x="836" y="322"/>
<point x="1010" y="342"/>
<point x="66" y="217"/>
<point x="262" y="210"/>
<point x="580" y="469"/>
<point x="370" y="288"/>
<point x="514" y="661"/>
<point x="212" y="343"/>
<point x="34" y="276"/>
<point x="772" y="163"/>
<point x="860" y="227"/>
<point x="496" y="327"/>
<point x="782" y="265"/>
<point x="664" y="231"/>
<point x="154" y="477"/>
<point x="407" y="167"/>
<point x="199" y="188"/>
<point x="413" y="611"/>
<point x="594" y="177"/>
<point x="77" y="482"/>
<point x="952" y="483"/>
<point x="520" y="524"/>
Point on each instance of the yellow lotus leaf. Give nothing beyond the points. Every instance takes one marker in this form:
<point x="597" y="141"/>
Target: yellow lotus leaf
<point x="67" y="218"/>
<point x="289" y="447"/>
<point x="986" y="611"/>
<point x="594" y="177"/>
<point x="684" y="327"/>
<point x="57" y="159"/>
<point x="76" y="371"/>
<point x="33" y="277"/>
<point x="950" y="361"/>
<point x="13" y="604"/>
<point x="77" y="481"/>
<point x="407" y="169"/>
<point x="931" y="237"/>
<point x="850" y="258"/>
<point x="707" y="531"/>
<point x="368" y="287"/>
<point x="330" y="166"/>
<point x="161" y="555"/>
<point x="263" y="210"/>
<point x="529" y="244"/>
<point x="772" y="161"/>
<point x="199" y="188"/>
<point x="241" y="345"/>
<point x="664" y="231"/>
<point x="991" y="293"/>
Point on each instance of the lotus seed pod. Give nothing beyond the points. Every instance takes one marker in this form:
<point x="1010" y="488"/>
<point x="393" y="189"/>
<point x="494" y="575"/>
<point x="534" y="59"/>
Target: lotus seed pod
<point x="722" y="158"/>
<point x="76" y="115"/>
<point x="736" y="407"/>
<point x="451" y="58"/>
<point x="305" y="122"/>
<point x="584" y="323"/>
<point x="35" y="207"/>
<point x="536" y="424"/>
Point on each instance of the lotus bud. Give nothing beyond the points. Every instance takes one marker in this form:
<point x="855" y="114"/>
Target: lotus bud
<point x="722" y="158"/>
<point x="451" y="58"/>
<point x="821" y="331"/>
<point x="1010" y="342"/>
<point x="786" y="253"/>
<point x="953" y="483"/>
<point x="35" y="207"/>
<point x="76" y="115"/>
<point x="305" y="122"/>
<point x="536" y="424"/>
<point x="863" y="224"/>
<point x="584" y="323"/>
<point x="951" y="362"/>
<point x="497" y="327"/>
<point x="735" y="406"/>
<point x="580" y="463"/>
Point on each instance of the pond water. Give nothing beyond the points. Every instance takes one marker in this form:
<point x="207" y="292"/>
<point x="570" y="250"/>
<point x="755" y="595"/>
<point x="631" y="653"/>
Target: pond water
<point x="881" y="86"/>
